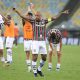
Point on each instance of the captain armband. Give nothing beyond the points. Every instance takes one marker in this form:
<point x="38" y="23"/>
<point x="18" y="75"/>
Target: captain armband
<point x="49" y="19"/>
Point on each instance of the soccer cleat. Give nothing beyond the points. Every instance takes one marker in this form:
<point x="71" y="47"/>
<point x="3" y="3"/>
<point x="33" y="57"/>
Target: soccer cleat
<point x="35" y="74"/>
<point x="49" y="68"/>
<point x="40" y="73"/>
<point x="9" y="62"/>
<point x="57" y="69"/>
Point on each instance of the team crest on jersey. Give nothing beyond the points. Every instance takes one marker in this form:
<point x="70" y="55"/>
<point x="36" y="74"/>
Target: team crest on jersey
<point x="34" y="50"/>
<point x="41" y="23"/>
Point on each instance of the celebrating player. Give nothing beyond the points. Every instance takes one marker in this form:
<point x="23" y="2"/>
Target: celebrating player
<point x="28" y="35"/>
<point x="9" y="34"/>
<point x="39" y="44"/>
<point x="1" y="41"/>
<point x="39" y="40"/>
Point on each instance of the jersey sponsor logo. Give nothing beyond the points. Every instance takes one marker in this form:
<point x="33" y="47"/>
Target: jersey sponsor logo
<point x="39" y="30"/>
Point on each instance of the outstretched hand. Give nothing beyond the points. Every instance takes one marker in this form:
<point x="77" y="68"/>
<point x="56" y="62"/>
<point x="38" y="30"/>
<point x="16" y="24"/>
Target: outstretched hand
<point x="31" y="5"/>
<point x="66" y="12"/>
<point x="14" y="9"/>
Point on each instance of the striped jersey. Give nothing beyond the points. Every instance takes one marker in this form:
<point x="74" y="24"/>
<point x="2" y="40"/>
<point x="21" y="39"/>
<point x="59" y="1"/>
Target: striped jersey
<point x="54" y="36"/>
<point x="39" y="29"/>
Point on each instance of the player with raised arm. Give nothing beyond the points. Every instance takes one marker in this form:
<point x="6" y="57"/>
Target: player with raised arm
<point x="1" y="41"/>
<point x="39" y="43"/>
<point x="9" y="34"/>
<point x="39" y="40"/>
<point x="28" y="35"/>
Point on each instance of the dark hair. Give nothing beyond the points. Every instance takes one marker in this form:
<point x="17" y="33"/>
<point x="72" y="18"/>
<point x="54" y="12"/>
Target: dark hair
<point x="29" y="13"/>
<point x="15" y="23"/>
<point x="9" y="16"/>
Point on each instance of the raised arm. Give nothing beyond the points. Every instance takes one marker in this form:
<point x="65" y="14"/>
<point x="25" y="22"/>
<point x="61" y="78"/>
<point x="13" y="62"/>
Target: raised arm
<point x="32" y="8"/>
<point x="61" y="13"/>
<point x="14" y="9"/>
<point x="4" y="18"/>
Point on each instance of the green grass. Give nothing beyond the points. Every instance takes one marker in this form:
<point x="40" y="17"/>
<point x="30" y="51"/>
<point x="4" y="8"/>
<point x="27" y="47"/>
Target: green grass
<point x="70" y="66"/>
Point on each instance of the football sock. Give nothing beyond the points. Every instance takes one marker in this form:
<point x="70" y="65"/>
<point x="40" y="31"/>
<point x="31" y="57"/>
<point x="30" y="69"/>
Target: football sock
<point x="9" y="55"/>
<point x="34" y="68"/>
<point x="58" y="66"/>
<point x="41" y="65"/>
<point x="50" y="65"/>
<point x="28" y="64"/>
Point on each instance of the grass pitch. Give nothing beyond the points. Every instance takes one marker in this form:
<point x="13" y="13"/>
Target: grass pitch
<point x="70" y="66"/>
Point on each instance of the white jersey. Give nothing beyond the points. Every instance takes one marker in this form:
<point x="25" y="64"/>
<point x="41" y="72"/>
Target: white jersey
<point x="1" y="41"/>
<point x="1" y="19"/>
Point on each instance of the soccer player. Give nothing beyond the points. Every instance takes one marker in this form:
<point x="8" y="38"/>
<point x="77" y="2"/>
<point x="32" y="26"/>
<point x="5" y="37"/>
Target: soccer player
<point x="16" y="34"/>
<point x="39" y="40"/>
<point x="39" y="34"/>
<point x="1" y="41"/>
<point x="28" y="35"/>
<point x="55" y="42"/>
<point x="9" y="33"/>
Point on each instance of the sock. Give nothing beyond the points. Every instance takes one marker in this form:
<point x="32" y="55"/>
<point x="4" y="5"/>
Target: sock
<point x="28" y="64"/>
<point x="58" y="66"/>
<point x="34" y="66"/>
<point x="9" y="55"/>
<point x="41" y="65"/>
<point x="50" y="65"/>
<point x="2" y="59"/>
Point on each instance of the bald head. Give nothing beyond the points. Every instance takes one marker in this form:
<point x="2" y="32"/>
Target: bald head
<point x="38" y="15"/>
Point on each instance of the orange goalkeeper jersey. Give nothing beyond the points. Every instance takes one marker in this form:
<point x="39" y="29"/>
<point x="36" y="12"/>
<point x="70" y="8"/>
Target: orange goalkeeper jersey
<point x="16" y="32"/>
<point x="9" y="30"/>
<point x="28" y="31"/>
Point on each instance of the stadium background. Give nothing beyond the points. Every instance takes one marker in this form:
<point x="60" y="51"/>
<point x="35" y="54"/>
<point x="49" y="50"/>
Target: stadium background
<point x="70" y="66"/>
<point x="48" y="8"/>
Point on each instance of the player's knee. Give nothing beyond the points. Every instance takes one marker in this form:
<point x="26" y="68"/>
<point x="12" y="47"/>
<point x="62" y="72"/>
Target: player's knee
<point x="9" y="51"/>
<point x="59" y="53"/>
<point x="50" y="53"/>
<point x="34" y="57"/>
<point x="1" y="50"/>
<point x="44" y="57"/>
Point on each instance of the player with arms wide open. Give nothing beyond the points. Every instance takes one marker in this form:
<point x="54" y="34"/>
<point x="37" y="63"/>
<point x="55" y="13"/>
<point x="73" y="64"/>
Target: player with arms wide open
<point x="39" y="42"/>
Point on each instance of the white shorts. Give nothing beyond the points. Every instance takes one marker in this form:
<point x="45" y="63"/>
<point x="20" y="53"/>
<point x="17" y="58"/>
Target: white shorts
<point x="55" y="46"/>
<point x="27" y="45"/>
<point x="9" y="42"/>
<point x="1" y="43"/>
<point x="39" y="47"/>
